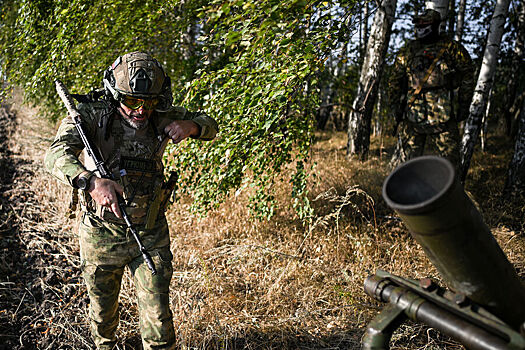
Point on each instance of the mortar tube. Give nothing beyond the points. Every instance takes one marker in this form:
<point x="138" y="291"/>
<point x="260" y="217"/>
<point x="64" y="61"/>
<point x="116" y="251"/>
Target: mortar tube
<point x="430" y="200"/>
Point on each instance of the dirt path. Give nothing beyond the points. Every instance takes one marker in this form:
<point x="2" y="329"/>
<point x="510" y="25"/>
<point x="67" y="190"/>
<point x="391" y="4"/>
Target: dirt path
<point x="42" y="301"/>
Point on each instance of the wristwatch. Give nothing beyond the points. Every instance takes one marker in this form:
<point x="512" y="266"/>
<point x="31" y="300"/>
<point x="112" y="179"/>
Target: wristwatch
<point x="84" y="180"/>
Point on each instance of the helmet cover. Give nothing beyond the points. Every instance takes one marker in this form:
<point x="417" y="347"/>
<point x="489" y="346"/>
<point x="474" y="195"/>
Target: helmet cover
<point x="139" y="75"/>
<point x="428" y="16"/>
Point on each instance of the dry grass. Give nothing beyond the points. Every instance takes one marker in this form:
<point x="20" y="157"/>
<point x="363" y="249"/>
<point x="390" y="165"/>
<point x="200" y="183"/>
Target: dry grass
<point x="244" y="284"/>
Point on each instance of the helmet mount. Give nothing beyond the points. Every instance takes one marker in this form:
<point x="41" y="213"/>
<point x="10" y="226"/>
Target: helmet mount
<point x="140" y="82"/>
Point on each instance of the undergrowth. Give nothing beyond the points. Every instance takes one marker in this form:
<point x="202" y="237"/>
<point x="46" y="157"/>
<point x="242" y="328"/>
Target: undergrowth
<point x="239" y="283"/>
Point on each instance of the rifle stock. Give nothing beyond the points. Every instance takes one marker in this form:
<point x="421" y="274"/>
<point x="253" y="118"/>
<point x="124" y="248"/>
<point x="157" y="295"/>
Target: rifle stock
<point x="101" y="168"/>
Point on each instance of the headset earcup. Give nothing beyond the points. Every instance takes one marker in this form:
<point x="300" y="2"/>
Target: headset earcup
<point x="166" y="95"/>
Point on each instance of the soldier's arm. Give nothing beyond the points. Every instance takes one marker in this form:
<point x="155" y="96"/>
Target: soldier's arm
<point x="465" y="70"/>
<point x="398" y="83"/>
<point x="61" y="158"/>
<point x="182" y="124"/>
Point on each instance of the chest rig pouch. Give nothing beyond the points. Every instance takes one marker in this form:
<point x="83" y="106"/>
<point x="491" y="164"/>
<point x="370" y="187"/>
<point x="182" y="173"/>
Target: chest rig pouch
<point x="429" y="107"/>
<point x="134" y="158"/>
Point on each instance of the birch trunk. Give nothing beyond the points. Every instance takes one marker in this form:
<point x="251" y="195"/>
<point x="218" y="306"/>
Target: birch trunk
<point x="515" y="182"/>
<point x="359" y="120"/>
<point x="516" y="174"/>
<point x="451" y="17"/>
<point x="517" y="68"/>
<point x="485" y="123"/>
<point x="365" y="21"/>
<point x="483" y="86"/>
<point x="460" y="21"/>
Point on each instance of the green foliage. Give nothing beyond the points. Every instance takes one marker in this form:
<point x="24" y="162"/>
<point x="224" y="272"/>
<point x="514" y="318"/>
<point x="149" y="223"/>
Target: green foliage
<point x="250" y="65"/>
<point x="257" y="86"/>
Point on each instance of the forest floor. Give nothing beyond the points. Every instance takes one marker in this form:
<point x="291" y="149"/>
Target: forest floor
<point x="238" y="283"/>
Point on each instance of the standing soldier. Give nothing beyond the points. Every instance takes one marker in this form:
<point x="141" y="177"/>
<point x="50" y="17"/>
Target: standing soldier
<point x="430" y="92"/>
<point x="126" y="122"/>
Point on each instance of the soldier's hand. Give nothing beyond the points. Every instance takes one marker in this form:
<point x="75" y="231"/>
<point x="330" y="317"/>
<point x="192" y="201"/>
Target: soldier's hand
<point x="181" y="129"/>
<point x="104" y="192"/>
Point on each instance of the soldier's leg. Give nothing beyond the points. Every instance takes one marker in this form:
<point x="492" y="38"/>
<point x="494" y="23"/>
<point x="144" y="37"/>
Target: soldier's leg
<point x="156" y="319"/>
<point x="409" y="145"/>
<point x="103" y="285"/>
<point x="447" y="144"/>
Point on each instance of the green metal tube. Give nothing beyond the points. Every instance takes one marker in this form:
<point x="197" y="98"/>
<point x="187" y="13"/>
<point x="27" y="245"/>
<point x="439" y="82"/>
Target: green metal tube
<point x="440" y="216"/>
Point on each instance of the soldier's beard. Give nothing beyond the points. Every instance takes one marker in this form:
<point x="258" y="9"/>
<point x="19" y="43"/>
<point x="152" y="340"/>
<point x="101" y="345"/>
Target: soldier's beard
<point x="135" y="120"/>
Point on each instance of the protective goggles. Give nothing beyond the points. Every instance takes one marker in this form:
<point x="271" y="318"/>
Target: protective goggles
<point x="135" y="103"/>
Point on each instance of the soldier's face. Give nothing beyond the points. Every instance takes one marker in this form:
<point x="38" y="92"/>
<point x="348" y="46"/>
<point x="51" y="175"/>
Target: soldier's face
<point x="423" y="31"/>
<point x="137" y="118"/>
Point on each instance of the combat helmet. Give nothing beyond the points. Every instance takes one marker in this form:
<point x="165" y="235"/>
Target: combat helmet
<point x="427" y="22"/>
<point x="139" y="75"/>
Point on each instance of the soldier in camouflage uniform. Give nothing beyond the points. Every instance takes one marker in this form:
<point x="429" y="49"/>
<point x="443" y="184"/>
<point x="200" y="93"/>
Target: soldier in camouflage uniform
<point x="430" y="92"/>
<point x="127" y="125"/>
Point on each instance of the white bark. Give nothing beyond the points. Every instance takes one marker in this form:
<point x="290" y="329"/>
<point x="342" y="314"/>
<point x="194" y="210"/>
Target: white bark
<point x="440" y="6"/>
<point x="485" y="123"/>
<point x="484" y="84"/>
<point x="359" y="121"/>
<point x="460" y="21"/>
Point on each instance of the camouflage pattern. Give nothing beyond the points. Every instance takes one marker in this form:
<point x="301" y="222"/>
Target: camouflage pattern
<point x="140" y="75"/>
<point x="106" y="246"/>
<point x="444" y="98"/>
<point x="129" y="66"/>
<point x="411" y="144"/>
<point x="105" y="250"/>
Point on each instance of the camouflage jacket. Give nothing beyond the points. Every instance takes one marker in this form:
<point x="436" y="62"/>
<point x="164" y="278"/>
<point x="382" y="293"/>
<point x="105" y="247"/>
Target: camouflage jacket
<point x="133" y="156"/>
<point x="448" y="89"/>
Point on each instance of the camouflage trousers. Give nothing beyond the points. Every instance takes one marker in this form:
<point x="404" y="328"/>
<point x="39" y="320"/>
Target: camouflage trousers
<point x="411" y="144"/>
<point x="106" y="249"/>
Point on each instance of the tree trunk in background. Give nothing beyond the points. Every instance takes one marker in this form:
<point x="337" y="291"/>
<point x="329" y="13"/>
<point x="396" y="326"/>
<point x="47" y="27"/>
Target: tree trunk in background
<point x="451" y="17"/>
<point x="363" y="31"/>
<point x="440" y="6"/>
<point x="485" y="123"/>
<point x="361" y="115"/>
<point x="460" y="20"/>
<point x="517" y="68"/>
<point x="379" y="106"/>
<point x="483" y="86"/>
<point x="515" y="182"/>
<point x="365" y="21"/>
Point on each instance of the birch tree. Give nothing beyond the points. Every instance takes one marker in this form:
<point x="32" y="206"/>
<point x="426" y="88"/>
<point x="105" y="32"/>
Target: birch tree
<point x="483" y="86"/>
<point x="359" y="121"/>
<point x="515" y="182"/>
<point x="460" y="20"/>
<point x="451" y="16"/>
<point x="517" y="69"/>
<point x="516" y="174"/>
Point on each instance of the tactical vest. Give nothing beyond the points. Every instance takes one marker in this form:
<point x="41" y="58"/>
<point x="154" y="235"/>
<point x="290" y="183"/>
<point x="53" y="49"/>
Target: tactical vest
<point x="433" y="106"/>
<point x="135" y="159"/>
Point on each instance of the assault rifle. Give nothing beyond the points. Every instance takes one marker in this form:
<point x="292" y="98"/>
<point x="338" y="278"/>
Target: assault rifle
<point x="487" y="310"/>
<point x="102" y="169"/>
